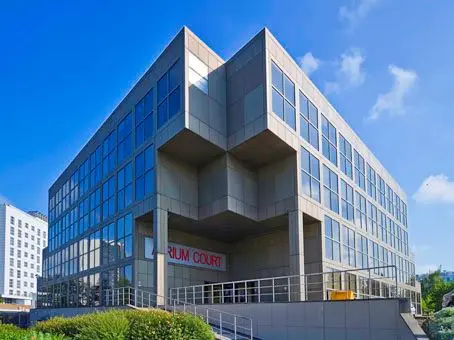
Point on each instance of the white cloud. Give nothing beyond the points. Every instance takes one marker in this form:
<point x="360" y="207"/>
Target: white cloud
<point x="356" y="12"/>
<point x="331" y="87"/>
<point x="392" y="102"/>
<point x="309" y="63"/>
<point x="350" y="71"/>
<point x="435" y="189"/>
<point x="426" y="268"/>
<point x="351" y="67"/>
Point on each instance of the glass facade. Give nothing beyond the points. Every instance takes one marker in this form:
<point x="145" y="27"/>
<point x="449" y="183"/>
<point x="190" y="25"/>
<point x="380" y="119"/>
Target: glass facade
<point x="91" y="231"/>
<point x="308" y="121"/>
<point x="283" y="96"/>
<point x="310" y="166"/>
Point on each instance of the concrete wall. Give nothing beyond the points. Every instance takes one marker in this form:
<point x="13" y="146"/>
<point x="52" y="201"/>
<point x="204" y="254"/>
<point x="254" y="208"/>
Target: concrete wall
<point x="277" y="188"/>
<point x="327" y="320"/>
<point x="206" y="113"/>
<point x="246" y="92"/>
<point x="260" y="256"/>
<point x="177" y="189"/>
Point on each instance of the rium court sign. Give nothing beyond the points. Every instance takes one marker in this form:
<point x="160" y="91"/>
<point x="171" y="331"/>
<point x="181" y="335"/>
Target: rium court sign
<point x="188" y="256"/>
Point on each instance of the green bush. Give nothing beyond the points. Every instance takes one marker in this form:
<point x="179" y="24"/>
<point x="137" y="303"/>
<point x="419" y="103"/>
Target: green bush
<point x="441" y="326"/>
<point x="129" y="325"/>
<point x="11" y="332"/>
<point x="158" y="324"/>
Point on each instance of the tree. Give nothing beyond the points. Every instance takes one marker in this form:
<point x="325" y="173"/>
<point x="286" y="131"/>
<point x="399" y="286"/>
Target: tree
<point x="433" y="287"/>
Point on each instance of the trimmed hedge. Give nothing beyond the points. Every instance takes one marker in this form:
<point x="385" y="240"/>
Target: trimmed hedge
<point x="129" y="325"/>
<point x="11" y="332"/>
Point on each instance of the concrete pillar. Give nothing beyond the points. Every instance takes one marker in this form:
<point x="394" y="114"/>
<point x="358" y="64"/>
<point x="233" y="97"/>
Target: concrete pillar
<point x="160" y="239"/>
<point x="296" y="260"/>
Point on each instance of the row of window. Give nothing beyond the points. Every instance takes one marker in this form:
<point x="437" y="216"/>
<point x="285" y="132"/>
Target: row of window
<point x="115" y="195"/>
<point x="12" y="221"/>
<point x="29" y="265"/>
<point x="350" y="162"/>
<point x="21" y="283"/>
<point x="84" y="291"/>
<point x="118" y="146"/>
<point x="343" y="244"/>
<point x="103" y="246"/>
<point x="351" y="205"/>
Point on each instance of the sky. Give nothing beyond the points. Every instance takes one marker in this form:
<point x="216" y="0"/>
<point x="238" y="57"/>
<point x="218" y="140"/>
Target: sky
<point x="386" y="66"/>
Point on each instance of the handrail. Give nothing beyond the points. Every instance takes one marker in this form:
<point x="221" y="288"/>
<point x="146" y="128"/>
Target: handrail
<point x="224" y="323"/>
<point x="363" y="281"/>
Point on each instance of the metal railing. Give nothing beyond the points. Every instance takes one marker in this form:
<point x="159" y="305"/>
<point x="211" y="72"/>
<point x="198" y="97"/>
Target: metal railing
<point x="365" y="283"/>
<point x="228" y="325"/>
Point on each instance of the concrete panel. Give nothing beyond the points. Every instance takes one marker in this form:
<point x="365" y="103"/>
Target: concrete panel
<point x="335" y="314"/>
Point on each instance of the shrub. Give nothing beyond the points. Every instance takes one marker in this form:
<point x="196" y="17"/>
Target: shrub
<point x="11" y="332"/>
<point x="111" y="325"/>
<point x="130" y="325"/>
<point x="441" y="326"/>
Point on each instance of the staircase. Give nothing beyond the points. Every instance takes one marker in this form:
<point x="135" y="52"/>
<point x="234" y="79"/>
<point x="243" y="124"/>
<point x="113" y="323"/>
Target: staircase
<point x="225" y="325"/>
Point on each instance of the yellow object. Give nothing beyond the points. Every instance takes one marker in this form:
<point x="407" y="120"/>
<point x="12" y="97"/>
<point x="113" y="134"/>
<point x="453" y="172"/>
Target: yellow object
<point x="342" y="295"/>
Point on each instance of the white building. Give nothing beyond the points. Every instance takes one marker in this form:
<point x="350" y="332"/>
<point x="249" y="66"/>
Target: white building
<point x="23" y="236"/>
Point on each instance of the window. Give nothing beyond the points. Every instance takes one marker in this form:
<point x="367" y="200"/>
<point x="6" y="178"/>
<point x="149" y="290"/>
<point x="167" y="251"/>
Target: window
<point x="372" y="225"/>
<point x="144" y="118"/>
<point x="330" y="192"/>
<point x="11" y="272"/>
<point x="381" y="191"/>
<point x="345" y="151"/>
<point x="11" y="231"/>
<point x="310" y="166"/>
<point x="109" y="250"/>
<point x="94" y="258"/>
<point x="11" y="251"/>
<point x="362" y="251"/>
<point x="11" y="262"/>
<point x="19" y="263"/>
<point x="124" y="138"/>
<point x="375" y="258"/>
<point x="11" y="284"/>
<point x="347" y="201"/>
<point x="198" y="73"/>
<point x="145" y="173"/>
<point x="108" y="198"/>
<point x="83" y="215"/>
<point x="11" y="241"/>
<point x="18" y="276"/>
<point x="108" y="155"/>
<point x="348" y="249"/>
<point x="96" y="168"/>
<point x="308" y="121"/>
<point x="124" y="187"/>
<point x="33" y="227"/>
<point x="283" y="98"/>
<point x="359" y="171"/>
<point x="329" y="141"/>
<point x="19" y="243"/>
<point x="332" y="239"/>
<point x="360" y="217"/>
<point x="84" y="172"/>
<point x="95" y="207"/>
<point x="18" y="253"/>
<point x="20" y="223"/>
<point x="169" y="94"/>
<point x="371" y="182"/>
<point x="389" y="200"/>
<point x="124" y="236"/>
<point x="11" y="220"/>
<point x="382" y="233"/>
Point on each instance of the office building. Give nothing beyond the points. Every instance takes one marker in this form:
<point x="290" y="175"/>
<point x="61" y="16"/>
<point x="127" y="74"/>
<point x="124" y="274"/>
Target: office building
<point x="211" y="171"/>
<point x="23" y="236"/>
